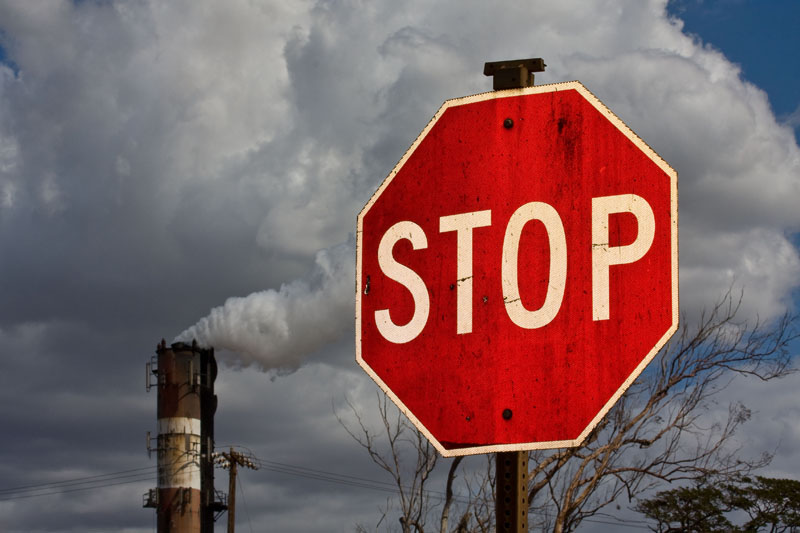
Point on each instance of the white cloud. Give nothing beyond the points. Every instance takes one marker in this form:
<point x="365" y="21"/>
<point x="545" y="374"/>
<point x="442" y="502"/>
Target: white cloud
<point x="354" y="115"/>
<point x="793" y="119"/>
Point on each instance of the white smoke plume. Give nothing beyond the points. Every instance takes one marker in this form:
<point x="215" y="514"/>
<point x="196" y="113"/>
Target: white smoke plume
<point x="277" y="329"/>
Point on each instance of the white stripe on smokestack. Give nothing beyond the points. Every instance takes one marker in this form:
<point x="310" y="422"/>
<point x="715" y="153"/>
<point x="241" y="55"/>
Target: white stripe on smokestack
<point x="179" y="424"/>
<point x="179" y="464"/>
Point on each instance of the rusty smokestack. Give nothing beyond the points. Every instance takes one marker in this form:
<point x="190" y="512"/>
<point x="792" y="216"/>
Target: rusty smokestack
<point x="184" y="500"/>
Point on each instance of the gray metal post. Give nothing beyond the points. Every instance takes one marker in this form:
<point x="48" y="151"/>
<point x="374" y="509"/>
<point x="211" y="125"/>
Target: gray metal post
<point x="511" y="492"/>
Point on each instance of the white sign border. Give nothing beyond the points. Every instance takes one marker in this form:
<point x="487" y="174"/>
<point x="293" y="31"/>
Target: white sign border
<point x="639" y="143"/>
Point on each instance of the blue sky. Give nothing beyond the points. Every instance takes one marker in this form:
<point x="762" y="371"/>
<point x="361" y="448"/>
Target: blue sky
<point x="162" y="159"/>
<point x="762" y="37"/>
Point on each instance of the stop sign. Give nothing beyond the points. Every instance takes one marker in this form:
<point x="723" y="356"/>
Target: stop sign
<point x="517" y="270"/>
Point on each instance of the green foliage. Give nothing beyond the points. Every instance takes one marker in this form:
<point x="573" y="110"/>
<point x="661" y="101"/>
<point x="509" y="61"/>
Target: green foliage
<point x="772" y="504"/>
<point x="767" y="504"/>
<point x="698" y="508"/>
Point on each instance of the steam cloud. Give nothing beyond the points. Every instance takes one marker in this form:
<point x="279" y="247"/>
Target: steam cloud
<point x="277" y="329"/>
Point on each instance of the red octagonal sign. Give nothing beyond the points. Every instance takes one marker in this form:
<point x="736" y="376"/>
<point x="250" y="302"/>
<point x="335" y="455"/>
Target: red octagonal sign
<point x="517" y="270"/>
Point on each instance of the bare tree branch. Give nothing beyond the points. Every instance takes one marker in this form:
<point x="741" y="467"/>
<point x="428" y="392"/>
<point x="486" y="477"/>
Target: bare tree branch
<point x="661" y="431"/>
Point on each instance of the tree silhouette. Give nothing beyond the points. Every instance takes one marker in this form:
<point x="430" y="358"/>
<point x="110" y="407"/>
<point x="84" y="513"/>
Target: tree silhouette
<point x="769" y="504"/>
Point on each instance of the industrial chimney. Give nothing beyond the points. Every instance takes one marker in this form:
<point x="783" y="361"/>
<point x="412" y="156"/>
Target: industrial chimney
<point x="185" y="498"/>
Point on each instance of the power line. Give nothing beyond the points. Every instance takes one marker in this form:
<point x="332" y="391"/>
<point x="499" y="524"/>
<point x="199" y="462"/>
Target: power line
<point x="52" y="484"/>
<point x="138" y="475"/>
<point x="244" y="501"/>
<point x="74" y="485"/>
<point x="24" y="496"/>
<point x="384" y="486"/>
<point x="344" y="479"/>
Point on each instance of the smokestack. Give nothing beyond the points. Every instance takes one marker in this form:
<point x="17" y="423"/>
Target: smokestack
<point x="184" y="499"/>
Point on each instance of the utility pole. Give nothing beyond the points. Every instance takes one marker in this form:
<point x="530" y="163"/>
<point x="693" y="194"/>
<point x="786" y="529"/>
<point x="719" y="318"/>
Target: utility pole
<point x="232" y="491"/>
<point x="232" y="460"/>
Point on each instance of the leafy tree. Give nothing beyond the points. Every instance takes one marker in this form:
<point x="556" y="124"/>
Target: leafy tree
<point x="659" y="432"/>
<point x="770" y="504"/>
<point x="698" y="508"/>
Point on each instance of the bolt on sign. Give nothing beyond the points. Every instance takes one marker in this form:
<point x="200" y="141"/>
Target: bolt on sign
<point x="517" y="270"/>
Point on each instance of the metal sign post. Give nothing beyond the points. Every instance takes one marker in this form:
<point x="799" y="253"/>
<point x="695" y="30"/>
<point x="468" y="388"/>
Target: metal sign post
<point x="511" y="492"/>
<point x="511" y="468"/>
